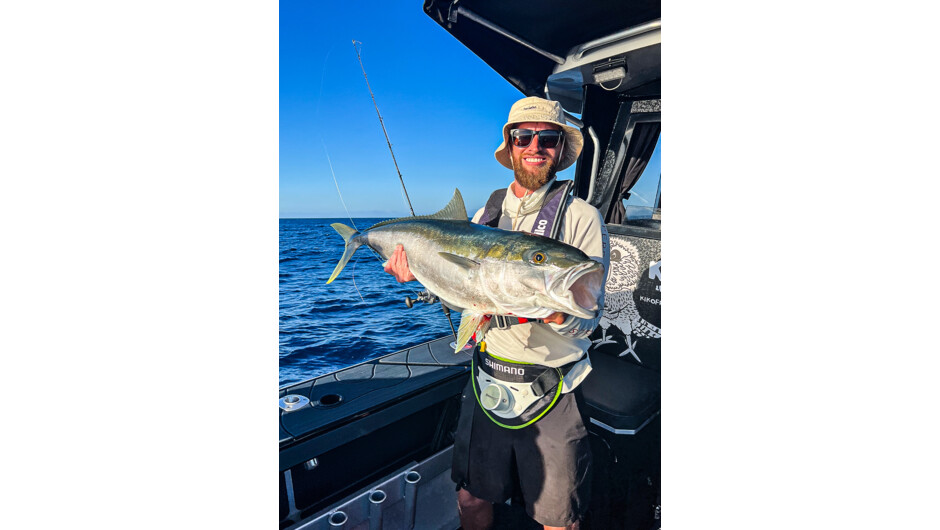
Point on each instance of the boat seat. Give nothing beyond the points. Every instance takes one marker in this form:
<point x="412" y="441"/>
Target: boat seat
<point x="623" y="390"/>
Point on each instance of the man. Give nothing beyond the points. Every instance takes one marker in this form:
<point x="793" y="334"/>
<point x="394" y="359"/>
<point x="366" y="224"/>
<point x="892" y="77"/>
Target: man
<point x="547" y="446"/>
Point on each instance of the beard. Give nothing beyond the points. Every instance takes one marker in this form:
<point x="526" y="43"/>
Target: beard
<point x="533" y="179"/>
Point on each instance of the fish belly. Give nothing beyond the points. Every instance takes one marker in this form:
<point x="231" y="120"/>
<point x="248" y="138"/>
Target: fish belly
<point x="450" y="282"/>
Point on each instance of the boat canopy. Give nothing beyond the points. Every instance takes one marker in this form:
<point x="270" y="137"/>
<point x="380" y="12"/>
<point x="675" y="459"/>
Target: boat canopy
<point x="599" y="59"/>
<point x="528" y="43"/>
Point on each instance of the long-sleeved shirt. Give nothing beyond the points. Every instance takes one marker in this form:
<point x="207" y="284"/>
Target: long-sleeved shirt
<point x="553" y="344"/>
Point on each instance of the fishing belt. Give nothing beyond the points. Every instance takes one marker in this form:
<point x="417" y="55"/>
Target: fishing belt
<point x="514" y="394"/>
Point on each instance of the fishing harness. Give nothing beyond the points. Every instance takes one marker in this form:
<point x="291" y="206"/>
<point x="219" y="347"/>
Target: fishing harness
<point x="552" y="210"/>
<point x="550" y="215"/>
<point x="515" y="394"/>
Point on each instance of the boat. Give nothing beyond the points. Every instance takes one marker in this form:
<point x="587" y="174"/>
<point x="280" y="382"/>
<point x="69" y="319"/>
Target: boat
<point x="369" y="446"/>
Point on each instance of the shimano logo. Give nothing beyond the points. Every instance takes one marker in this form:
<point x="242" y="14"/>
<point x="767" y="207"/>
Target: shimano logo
<point x="507" y="369"/>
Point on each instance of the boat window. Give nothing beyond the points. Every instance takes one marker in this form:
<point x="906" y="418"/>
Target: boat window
<point x="644" y="201"/>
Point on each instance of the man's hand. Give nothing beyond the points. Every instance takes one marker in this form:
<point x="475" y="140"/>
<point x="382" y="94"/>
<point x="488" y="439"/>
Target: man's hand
<point x="555" y="318"/>
<point x="397" y="266"/>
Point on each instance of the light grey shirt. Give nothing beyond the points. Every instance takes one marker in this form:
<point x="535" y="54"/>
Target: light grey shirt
<point x="553" y="344"/>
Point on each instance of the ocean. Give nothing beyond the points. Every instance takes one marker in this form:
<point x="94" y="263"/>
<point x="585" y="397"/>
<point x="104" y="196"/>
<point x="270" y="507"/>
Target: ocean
<point x="360" y="316"/>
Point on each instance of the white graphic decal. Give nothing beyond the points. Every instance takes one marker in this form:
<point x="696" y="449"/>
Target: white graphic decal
<point x="630" y="344"/>
<point x="655" y="273"/>
<point x="619" y="307"/>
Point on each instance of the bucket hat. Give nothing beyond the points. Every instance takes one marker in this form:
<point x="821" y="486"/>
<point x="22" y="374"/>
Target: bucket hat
<point x="542" y="110"/>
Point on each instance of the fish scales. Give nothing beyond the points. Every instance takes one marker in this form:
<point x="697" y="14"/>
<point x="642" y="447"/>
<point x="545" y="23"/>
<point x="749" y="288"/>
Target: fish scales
<point x="428" y="238"/>
<point x="464" y="288"/>
<point x="485" y="271"/>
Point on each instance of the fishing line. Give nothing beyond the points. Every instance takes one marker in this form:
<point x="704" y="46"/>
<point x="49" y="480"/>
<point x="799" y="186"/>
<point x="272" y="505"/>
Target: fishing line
<point x="354" y="281"/>
<point x="330" y="162"/>
<point x="322" y="76"/>
<point x="406" y="200"/>
<point x="343" y="202"/>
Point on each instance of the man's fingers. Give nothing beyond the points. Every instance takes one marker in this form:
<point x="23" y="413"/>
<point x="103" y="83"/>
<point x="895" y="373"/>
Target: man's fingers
<point x="392" y="262"/>
<point x="406" y="270"/>
<point x="397" y="265"/>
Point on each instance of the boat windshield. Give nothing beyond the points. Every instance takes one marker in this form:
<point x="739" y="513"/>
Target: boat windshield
<point x="644" y="200"/>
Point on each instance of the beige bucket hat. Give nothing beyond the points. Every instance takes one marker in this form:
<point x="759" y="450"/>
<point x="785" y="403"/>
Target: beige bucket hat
<point x="544" y="110"/>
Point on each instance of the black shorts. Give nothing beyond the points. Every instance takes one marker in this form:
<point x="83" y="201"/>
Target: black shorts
<point x="552" y="458"/>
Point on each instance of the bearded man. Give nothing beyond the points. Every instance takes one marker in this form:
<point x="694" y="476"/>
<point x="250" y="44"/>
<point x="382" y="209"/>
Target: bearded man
<point x="544" y="448"/>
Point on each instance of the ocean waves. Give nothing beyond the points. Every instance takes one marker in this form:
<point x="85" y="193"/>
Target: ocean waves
<point x="360" y="316"/>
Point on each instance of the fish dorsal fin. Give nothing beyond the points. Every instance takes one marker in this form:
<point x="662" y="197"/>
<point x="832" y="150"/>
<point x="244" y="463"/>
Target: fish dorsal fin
<point x="455" y="210"/>
<point x="461" y="261"/>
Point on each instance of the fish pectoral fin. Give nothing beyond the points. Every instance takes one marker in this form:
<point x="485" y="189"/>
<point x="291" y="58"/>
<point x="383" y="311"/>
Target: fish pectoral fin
<point x="461" y="261"/>
<point x="469" y="322"/>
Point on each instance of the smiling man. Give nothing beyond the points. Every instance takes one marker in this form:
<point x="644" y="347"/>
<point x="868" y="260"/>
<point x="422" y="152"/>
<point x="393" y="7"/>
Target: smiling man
<point x="533" y="166"/>
<point x="521" y="411"/>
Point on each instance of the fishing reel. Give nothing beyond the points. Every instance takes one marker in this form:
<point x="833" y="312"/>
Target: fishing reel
<point x="424" y="296"/>
<point x="429" y="298"/>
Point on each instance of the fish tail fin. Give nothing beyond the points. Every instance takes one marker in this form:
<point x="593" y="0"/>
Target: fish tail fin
<point x="352" y="243"/>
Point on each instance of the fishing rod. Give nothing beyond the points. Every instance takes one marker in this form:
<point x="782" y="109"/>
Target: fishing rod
<point x="382" y="122"/>
<point x="425" y="296"/>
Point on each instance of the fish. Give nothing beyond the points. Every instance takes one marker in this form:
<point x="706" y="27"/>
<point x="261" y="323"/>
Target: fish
<point x="482" y="271"/>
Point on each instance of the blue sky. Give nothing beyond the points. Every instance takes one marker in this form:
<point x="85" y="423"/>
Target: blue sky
<point x="443" y="108"/>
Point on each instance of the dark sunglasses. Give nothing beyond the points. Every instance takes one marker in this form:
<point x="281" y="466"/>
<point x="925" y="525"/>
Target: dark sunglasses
<point x="548" y="138"/>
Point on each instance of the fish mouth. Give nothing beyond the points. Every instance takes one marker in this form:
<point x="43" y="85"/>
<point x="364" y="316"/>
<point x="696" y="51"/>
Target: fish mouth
<point x="580" y="288"/>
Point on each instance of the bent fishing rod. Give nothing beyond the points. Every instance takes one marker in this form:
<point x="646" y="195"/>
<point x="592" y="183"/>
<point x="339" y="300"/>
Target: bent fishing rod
<point x="382" y="122"/>
<point x="424" y="296"/>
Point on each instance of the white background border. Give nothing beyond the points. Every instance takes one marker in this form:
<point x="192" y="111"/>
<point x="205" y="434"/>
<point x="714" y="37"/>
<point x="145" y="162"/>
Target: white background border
<point x="139" y="229"/>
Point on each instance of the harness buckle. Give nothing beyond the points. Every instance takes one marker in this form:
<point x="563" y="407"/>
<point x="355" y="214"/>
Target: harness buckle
<point x="505" y="322"/>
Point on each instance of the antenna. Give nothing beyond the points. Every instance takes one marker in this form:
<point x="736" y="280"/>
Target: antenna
<point x="382" y="122"/>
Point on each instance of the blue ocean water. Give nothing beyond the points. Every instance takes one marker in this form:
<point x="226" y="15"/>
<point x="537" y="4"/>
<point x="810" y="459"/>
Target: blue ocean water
<point x="360" y="316"/>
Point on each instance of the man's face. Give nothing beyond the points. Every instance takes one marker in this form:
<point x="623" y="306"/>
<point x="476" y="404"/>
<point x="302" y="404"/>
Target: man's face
<point x="534" y="164"/>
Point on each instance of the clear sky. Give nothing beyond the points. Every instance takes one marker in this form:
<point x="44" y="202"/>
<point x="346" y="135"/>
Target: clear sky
<point x="443" y="109"/>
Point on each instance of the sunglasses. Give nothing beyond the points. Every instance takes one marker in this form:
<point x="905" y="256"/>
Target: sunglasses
<point x="548" y="138"/>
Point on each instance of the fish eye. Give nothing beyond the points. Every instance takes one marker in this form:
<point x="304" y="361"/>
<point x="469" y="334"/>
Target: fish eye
<point x="538" y="258"/>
